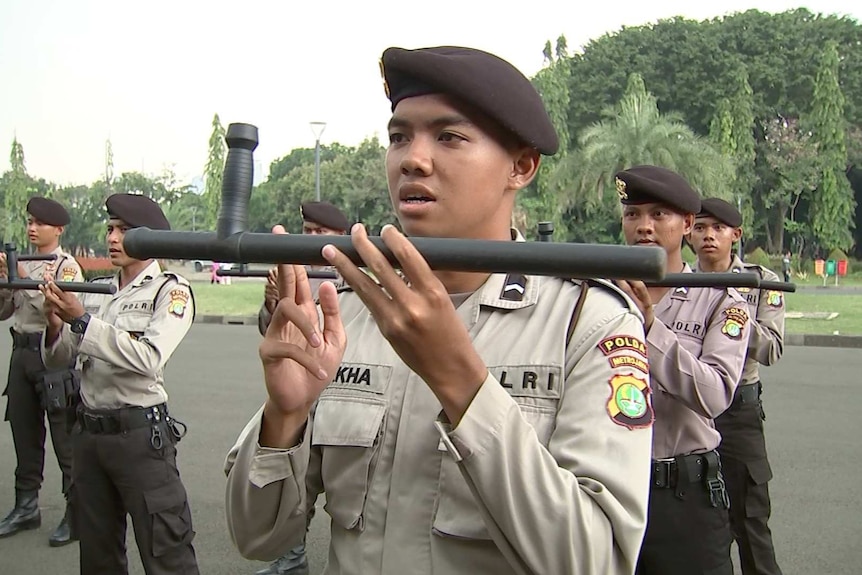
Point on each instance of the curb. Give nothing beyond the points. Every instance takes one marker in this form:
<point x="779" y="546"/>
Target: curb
<point x="792" y="339"/>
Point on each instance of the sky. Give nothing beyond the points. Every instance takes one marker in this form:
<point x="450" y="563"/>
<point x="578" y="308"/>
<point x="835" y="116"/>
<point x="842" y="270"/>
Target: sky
<point x="150" y="75"/>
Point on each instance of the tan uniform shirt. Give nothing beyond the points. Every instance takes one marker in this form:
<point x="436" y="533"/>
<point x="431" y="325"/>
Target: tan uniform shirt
<point x="697" y="347"/>
<point x="556" y="444"/>
<point x="131" y="336"/>
<point x="766" y="343"/>
<point x="26" y="305"/>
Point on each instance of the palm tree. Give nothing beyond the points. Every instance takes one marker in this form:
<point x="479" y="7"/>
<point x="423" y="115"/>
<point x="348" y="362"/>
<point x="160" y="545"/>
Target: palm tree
<point x="631" y="134"/>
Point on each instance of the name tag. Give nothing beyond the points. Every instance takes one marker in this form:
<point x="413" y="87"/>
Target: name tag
<point x="362" y="377"/>
<point x="139" y="306"/>
<point x="690" y="328"/>
<point x="541" y="381"/>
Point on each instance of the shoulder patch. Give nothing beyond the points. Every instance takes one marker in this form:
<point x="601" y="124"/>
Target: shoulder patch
<point x="68" y="274"/>
<point x="629" y="404"/>
<point x="179" y="301"/>
<point x="774" y="299"/>
<point x="735" y="318"/>
<point x="616" y="343"/>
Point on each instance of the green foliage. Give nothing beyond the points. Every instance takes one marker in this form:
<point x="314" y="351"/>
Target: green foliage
<point x="688" y="255"/>
<point x="214" y="174"/>
<point x="837" y="254"/>
<point x="759" y="257"/>
<point x="17" y="192"/>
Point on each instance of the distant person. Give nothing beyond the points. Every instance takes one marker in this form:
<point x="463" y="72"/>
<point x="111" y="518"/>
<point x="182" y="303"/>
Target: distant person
<point x="785" y="266"/>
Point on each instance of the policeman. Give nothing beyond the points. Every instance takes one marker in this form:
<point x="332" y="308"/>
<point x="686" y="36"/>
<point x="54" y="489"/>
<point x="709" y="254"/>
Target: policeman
<point x="124" y="439"/>
<point x="697" y="339"/>
<point x="743" y="445"/>
<point x="318" y="218"/>
<point x="33" y="390"/>
<point x="457" y="422"/>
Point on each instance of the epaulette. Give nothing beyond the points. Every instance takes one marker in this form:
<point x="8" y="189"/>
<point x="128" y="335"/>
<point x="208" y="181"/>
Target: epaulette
<point x="175" y="276"/>
<point x="609" y="287"/>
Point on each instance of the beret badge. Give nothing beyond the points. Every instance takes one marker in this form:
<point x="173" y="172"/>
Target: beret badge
<point x="621" y="188"/>
<point x="383" y="76"/>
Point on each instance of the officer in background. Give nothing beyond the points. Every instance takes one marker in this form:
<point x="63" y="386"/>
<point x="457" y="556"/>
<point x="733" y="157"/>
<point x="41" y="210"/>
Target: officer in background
<point x="697" y="339"/>
<point x="443" y="442"/>
<point x="33" y="390"/>
<point x="318" y="218"/>
<point x="124" y="439"/>
<point x="743" y="444"/>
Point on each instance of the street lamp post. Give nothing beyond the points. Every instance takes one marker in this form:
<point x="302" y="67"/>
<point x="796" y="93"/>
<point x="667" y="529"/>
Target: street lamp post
<point x="739" y="250"/>
<point x="317" y="129"/>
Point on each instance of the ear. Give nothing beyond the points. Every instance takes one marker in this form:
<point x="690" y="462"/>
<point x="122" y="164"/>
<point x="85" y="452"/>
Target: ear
<point x="525" y="166"/>
<point x="687" y="224"/>
<point x="737" y="234"/>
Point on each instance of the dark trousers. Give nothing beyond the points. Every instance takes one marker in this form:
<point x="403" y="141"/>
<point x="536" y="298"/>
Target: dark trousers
<point x="747" y="474"/>
<point x="685" y="536"/>
<point x="27" y="418"/>
<point x="122" y="473"/>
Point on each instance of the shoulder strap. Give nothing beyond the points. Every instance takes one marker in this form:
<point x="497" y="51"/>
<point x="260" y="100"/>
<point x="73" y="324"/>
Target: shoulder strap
<point x="168" y="277"/>
<point x="576" y="312"/>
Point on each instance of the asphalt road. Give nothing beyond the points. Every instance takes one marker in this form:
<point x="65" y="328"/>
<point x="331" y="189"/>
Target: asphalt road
<point x="813" y="413"/>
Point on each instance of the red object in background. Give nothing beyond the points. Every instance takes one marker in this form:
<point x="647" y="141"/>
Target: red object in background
<point x="842" y="267"/>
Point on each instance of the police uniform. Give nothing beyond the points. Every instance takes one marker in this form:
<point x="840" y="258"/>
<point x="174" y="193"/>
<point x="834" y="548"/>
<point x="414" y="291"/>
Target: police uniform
<point x="743" y="445"/>
<point x="35" y="391"/>
<point x="124" y="439"/>
<point x="523" y="483"/>
<point x="696" y="348"/>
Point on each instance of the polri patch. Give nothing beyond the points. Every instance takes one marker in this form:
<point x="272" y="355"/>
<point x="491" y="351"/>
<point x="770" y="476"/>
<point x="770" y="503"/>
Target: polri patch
<point x="179" y="301"/>
<point x="629" y="361"/>
<point x="735" y="319"/>
<point x="629" y="404"/>
<point x="69" y="274"/>
<point x="774" y="299"/>
<point x="617" y="343"/>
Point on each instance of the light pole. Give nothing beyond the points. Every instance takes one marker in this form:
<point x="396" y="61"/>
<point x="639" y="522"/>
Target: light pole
<point x="317" y="129"/>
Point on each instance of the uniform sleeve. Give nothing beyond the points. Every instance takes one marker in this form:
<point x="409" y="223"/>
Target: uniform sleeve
<point x="580" y="505"/>
<point x="7" y="305"/>
<point x="766" y="344"/>
<point x="63" y="351"/>
<point x="146" y="355"/>
<point x="704" y="383"/>
<point x="269" y="492"/>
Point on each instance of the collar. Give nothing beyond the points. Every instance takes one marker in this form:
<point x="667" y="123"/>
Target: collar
<point x="145" y="276"/>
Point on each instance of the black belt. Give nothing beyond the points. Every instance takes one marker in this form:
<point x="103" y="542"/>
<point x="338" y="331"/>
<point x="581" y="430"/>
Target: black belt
<point x="28" y="340"/>
<point x="748" y="394"/>
<point x="682" y="470"/>
<point x="121" y="420"/>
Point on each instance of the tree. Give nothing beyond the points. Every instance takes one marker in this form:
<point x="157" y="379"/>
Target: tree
<point x="16" y="195"/>
<point x="214" y="173"/>
<point x="631" y="134"/>
<point x="790" y="174"/>
<point x="833" y="205"/>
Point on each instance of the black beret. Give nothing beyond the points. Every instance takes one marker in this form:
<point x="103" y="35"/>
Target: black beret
<point x="138" y="211"/>
<point x="646" y="184"/>
<point x="482" y="80"/>
<point x="48" y="211"/>
<point x="324" y="214"/>
<point x="722" y="211"/>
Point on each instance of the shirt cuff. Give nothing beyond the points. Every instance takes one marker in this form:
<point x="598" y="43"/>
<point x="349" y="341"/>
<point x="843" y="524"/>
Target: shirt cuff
<point x="89" y="342"/>
<point x="269" y="464"/>
<point x="481" y="424"/>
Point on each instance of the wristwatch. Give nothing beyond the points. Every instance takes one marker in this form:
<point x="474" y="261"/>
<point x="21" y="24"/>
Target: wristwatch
<point x="79" y="324"/>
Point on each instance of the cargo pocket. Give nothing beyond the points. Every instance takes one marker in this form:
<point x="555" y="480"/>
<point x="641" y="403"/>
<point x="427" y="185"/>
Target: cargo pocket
<point x="347" y="431"/>
<point x="171" y="518"/>
<point x="457" y="514"/>
<point x="757" y="493"/>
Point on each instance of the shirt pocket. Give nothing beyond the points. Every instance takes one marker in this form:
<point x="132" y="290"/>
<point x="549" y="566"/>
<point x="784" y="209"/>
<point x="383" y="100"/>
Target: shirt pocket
<point x="457" y="512"/>
<point x="134" y="323"/>
<point x="347" y="430"/>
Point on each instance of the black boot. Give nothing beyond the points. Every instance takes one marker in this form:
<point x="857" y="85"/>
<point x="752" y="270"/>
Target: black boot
<point x="26" y="514"/>
<point x="63" y="533"/>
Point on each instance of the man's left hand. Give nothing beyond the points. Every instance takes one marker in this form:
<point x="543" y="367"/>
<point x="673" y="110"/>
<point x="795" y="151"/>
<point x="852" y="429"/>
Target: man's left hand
<point x="64" y="304"/>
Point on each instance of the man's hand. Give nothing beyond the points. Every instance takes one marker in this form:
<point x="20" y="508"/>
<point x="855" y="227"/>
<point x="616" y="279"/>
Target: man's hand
<point x="4" y="270"/>
<point x="418" y="318"/>
<point x="66" y="305"/>
<point x="300" y="357"/>
<point x="639" y="293"/>
<point x="270" y="293"/>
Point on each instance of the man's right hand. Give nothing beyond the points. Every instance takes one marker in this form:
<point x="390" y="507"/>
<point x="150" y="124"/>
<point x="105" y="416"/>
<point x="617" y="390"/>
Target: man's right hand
<point x="299" y="355"/>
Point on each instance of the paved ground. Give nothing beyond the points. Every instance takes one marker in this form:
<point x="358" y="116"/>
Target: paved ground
<point x="813" y="407"/>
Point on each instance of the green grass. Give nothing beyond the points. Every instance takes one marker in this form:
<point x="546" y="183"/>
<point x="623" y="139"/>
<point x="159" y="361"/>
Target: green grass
<point x="243" y="298"/>
<point x="849" y="308"/>
<point x="240" y="298"/>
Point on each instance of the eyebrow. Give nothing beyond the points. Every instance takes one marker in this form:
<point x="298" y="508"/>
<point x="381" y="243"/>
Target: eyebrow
<point x="450" y="120"/>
